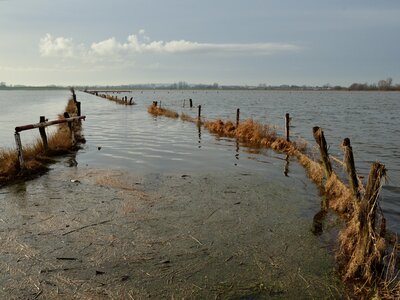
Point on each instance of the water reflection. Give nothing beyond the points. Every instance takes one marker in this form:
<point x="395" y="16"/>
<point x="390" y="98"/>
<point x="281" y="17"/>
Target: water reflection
<point x="237" y="149"/>
<point x="286" y="166"/>
<point x="199" y="131"/>
<point x="20" y="190"/>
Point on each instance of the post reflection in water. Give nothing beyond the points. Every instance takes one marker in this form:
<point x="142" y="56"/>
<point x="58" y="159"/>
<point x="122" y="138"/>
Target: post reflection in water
<point x="286" y="167"/>
<point x="199" y="129"/>
<point x="237" y="151"/>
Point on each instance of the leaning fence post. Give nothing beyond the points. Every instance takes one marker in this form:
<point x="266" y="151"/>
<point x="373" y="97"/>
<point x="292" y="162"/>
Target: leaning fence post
<point x="20" y="162"/>
<point x="287" y="126"/>
<point x="323" y="148"/>
<point x="199" y="115"/>
<point x="237" y="117"/>
<point x="350" y="167"/>
<point x="42" y="132"/>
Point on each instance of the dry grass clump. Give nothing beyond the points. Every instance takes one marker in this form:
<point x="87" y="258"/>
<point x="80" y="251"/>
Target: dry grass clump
<point x="158" y="111"/>
<point x="35" y="156"/>
<point x="254" y="132"/>
<point x="249" y="131"/>
<point x="187" y="118"/>
<point x="341" y="197"/>
<point x="220" y="127"/>
<point x="313" y="169"/>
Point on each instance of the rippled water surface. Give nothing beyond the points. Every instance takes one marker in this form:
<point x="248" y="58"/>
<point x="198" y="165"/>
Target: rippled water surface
<point x="128" y="137"/>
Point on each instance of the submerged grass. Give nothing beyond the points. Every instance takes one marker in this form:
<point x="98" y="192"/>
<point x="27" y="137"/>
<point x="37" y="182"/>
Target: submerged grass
<point x="36" y="157"/>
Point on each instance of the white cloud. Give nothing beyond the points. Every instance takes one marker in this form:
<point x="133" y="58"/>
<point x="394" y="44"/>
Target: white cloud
<point x="111" y="49"/>
<point x="60" y="46"/>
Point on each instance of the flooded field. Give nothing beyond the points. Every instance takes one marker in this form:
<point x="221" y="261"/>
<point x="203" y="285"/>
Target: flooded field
<point x="110" y="234"/>
<point x="154" y="207"/>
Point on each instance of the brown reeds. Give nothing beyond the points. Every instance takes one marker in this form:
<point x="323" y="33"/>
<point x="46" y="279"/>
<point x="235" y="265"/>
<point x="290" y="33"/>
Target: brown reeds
<point x="187" y="118"/>
<point x="158" y="111"/>
<point x="36" y="157"/>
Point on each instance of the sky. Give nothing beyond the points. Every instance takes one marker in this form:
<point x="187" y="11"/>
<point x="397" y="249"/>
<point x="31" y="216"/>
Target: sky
<point x="247" y="42"/>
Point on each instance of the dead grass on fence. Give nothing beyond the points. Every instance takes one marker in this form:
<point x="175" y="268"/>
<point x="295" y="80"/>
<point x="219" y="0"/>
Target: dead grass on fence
<point x="341" y="197"/>
<point x="158" y="111"/>
<point x="187" y="118"/>
<point x="313" y="169"/>
<point x="36" y="158"/>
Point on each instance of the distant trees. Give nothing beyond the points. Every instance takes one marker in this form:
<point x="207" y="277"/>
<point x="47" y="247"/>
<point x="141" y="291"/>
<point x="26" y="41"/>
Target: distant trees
<point x="382" y="85"/>
<point x="385" y="84"/>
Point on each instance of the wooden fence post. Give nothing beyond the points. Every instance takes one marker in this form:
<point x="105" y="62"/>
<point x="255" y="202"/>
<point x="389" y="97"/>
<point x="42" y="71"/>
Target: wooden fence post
<point x="78" y="108"/>
<point x="323" y="148"/>
<point x="71" y="128"/>
<point x="364" y="260"/>
<point x="237" y="117"/>
<point x="73" y="94"/>
<point x="190" y="103"/>
<point x="20" y="163"/>
<point x="377" y="172"/>
<point x="42" y="132"/>
<point x="287" y="126"/>
<point x="350" y="167"/>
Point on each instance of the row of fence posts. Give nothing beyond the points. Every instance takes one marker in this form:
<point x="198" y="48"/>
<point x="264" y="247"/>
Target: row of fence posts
<point x="43" y="122"/>
<point x="368" y="201"/>
<point x="374" y="178"/>
<point x="287" y="121"/>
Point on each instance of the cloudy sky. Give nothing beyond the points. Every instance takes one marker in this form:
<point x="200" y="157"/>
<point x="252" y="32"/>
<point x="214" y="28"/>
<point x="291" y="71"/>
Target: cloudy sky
<point x="313" y="42"/>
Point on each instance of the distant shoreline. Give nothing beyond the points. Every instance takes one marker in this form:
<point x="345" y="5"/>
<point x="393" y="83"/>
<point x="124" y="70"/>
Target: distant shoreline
<point x="116" y="88"/>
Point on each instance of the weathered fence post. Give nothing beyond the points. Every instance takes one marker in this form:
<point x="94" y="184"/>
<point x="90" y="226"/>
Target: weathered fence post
<point x="323" y="148"/>
<point x="71" y="128"/>
<point x="190" y="103"/>
<point x="350" y="167"/>
<point x="78" y="108"/>
<point x="287" y="126"/>
<point x="199" y="115"/>
<point x="377" y="172"/>
<point x="237" y="117"/>
<point x="42" y="132"/>
<point x="20" y="163"/>
<point x="365" y="258"/>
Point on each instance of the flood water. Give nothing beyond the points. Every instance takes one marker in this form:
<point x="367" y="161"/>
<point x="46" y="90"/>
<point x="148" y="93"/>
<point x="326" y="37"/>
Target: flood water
<point x="128" y="137"/>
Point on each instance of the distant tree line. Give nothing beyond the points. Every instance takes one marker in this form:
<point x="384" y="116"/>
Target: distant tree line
<point x="382" y="85"/>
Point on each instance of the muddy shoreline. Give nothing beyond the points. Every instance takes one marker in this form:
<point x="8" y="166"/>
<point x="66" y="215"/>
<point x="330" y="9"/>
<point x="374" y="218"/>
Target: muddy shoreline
<point x="100" y="234"/>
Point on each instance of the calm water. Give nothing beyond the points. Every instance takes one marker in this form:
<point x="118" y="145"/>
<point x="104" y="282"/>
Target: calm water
<point x="130" y="138"/>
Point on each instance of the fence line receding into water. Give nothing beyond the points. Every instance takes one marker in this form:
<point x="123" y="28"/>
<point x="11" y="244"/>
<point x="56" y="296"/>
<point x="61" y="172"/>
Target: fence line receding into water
<point x="364" y="242"/>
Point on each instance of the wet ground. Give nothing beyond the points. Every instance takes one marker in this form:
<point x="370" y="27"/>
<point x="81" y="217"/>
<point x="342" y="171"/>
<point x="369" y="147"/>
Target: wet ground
<point x="86" y="233"/>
